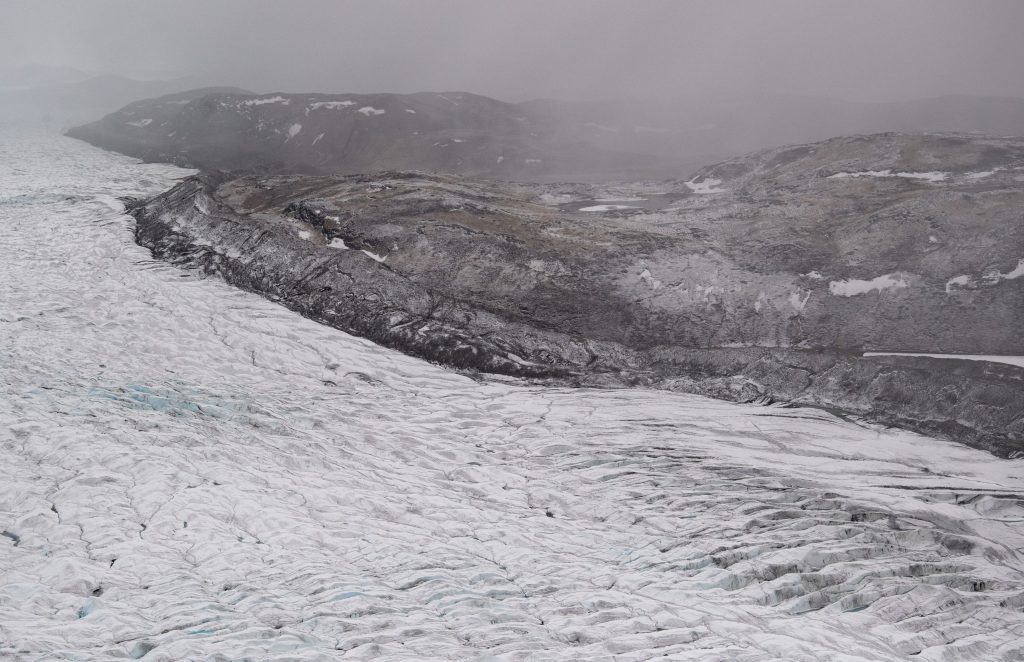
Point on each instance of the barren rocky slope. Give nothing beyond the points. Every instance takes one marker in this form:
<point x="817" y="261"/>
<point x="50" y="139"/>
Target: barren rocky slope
<point x="762" y="277"/>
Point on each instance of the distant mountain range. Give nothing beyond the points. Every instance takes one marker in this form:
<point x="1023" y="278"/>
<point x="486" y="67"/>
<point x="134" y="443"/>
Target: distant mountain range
<point x="63" y="96"/>
<point x="462" y="133"/>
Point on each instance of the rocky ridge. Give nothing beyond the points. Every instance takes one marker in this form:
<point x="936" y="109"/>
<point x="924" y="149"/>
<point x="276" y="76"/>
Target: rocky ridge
<point x="761" y="278"/>
<point x="542" y="140"/>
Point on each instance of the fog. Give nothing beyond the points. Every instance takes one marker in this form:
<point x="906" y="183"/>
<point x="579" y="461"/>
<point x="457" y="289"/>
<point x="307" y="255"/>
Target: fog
<point x="868" y="50"/>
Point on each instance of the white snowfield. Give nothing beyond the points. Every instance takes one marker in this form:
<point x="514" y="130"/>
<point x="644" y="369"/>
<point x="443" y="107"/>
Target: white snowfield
<point x="192" y="472"/>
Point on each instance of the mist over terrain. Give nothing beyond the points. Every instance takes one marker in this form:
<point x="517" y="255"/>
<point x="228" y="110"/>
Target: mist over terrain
<point x="515" y="51"/>
<point x="681" y="59"/>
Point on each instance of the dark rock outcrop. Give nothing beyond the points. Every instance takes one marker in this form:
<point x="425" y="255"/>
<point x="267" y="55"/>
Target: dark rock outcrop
<point x="759" y="279"/>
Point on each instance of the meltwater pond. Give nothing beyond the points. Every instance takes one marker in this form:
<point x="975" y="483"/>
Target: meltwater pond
<point x="193" y="472"/>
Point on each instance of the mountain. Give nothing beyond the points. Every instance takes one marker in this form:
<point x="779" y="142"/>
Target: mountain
<point x="543" y="140"/>
<point x="761" y="277"/>
<point x="319" y="134"/>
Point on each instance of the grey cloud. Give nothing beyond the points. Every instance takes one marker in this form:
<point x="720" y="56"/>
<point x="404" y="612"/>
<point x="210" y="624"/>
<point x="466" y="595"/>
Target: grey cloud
<point x="869" y="50"/>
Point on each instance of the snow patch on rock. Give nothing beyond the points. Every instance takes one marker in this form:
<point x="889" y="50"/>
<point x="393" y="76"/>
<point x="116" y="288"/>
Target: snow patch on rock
<point x="650" y="280"/>
<point x="798" y="300"/>
<point x="933" y="176"/>
<point x="331" y="105"/>
<point x="957" y="283"/>
<point x="708" y="185"/>
<point x="600" y="208"/>
<point x="265" y="100"/>
<point x="853" y="286"/>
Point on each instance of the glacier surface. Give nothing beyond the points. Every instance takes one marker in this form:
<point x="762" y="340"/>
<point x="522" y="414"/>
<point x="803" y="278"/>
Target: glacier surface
<point x="193" y="472"/>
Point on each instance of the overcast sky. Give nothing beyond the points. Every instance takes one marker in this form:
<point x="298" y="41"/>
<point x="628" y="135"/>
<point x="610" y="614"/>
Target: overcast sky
<point x="870" y="50"/>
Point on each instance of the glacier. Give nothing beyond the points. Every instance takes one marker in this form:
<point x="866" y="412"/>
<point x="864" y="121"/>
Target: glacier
<point x="194" y="472"/>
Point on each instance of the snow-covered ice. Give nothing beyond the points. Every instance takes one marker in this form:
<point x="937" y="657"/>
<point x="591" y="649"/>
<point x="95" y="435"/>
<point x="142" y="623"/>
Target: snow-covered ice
<point x="370" y="111"/>
<point x="194" y="472"/>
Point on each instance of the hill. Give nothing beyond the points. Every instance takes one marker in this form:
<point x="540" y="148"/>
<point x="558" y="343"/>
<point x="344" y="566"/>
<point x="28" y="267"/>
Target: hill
<point x="762" y="277"/>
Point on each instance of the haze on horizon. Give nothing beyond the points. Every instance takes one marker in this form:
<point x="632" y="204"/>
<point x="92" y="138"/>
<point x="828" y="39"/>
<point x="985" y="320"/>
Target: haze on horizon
<point x="692" y="51"/>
